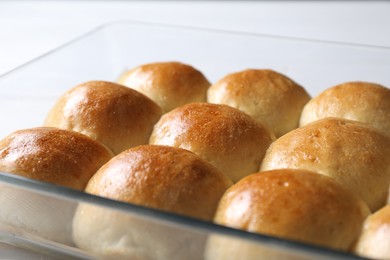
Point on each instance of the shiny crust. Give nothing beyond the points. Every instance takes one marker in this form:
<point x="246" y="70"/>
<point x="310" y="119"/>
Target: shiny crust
<point x="294" y="204"/>
<point x="374" y="241"/>
<point x="353" y="153"/>
<point x="112" y="114"/>
<point x="224" y="136"/>
<point x="53" y="155"/>
<point x="266" y="95"/>
<point x="361" y="101"/>
<point x="162" y="177"/>
<point x="169" y="84"/>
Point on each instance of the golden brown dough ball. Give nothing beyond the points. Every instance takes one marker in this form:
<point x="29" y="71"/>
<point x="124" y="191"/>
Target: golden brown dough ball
<point x="160" y="177"/>
<point x="374" y="241"/>
<point x="361" y="101"/>
<point x="57" y="156"/>
<point x="115" y="115"/>
<point x="224" y="136"/>
<point x="293" y="204"/>
<point x="50" y="155"/>
<point x="353" y="153"/>
<point x="266" y="95"/>
<point x="169" y="84"/>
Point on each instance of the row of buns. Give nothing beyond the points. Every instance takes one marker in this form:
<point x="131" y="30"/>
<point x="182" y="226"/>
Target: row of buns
<point x="252" y="151"/>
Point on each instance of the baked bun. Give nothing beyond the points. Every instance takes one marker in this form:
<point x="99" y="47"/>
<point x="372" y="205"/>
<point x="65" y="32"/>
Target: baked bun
<point x="160" y="177"/>
<point x="169" y="84"/>
<point x="361" y="101"/>
<point x="266" y="95"/>
<point x="374" y="242"/>
<point x="117" y="116"/>
<point x="224" y="136"/>
<point x="351" y="152"/>
<point x="292" y="204"/>
<point x="57" y="156"/>
<point x="51" y="155"/>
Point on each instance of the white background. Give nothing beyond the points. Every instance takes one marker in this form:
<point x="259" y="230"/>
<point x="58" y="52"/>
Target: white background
<point x="30" y="28"/>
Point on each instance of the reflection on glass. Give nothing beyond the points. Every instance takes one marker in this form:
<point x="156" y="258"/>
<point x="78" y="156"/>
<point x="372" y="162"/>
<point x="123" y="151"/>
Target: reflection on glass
<point x="117" y="235"/>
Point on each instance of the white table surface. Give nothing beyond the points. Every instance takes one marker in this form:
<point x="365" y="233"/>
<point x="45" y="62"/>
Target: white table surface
<point x="30" y="28"/>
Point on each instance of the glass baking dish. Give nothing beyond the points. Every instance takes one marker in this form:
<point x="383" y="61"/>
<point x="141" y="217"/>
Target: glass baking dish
<point x="28" y="92"/>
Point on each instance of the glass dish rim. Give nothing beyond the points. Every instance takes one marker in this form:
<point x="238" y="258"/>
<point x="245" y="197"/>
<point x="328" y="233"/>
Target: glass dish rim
<point x="61" y="192"/>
